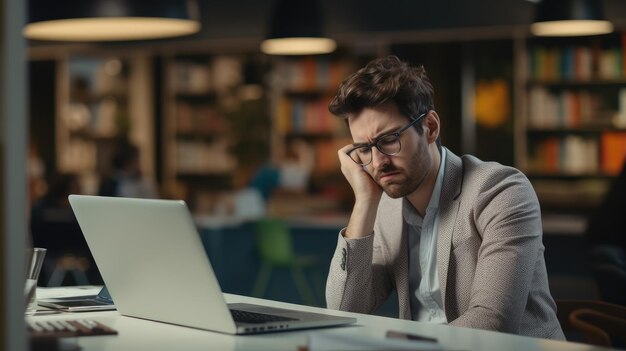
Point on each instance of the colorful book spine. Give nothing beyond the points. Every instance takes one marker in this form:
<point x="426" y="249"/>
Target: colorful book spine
<point x="613" y="154"/>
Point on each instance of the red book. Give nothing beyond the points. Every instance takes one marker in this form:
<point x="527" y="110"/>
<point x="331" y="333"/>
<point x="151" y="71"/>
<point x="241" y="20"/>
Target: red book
<point x="613" y="152"/>
<point x="575" y="110"/>
<point x="551" y="155"/>
<point x="309" y="68"/>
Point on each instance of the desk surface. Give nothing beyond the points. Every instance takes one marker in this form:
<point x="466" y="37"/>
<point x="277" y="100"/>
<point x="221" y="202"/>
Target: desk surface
<point x="138" y="334"/>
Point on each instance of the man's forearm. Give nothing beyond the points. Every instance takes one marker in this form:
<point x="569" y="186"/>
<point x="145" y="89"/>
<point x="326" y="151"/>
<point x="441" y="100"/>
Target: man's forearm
<point x="362" y="219"/>
<point x="354" y="283"/>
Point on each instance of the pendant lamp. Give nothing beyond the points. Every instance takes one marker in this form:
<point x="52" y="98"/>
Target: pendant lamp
<point x="296" y="29"/>
<point x="110" y="20"/>
<point x="570" y="18"/>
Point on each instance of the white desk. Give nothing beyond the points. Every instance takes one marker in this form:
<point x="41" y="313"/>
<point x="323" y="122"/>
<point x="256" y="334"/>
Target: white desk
<point x="138" y="334"/>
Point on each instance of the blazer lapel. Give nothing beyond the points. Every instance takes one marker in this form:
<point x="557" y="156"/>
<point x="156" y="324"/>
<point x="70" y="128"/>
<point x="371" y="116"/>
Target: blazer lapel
<point x="398" y="250"/>
<point x="393" y="241"/>
<point x="448" y="209"/>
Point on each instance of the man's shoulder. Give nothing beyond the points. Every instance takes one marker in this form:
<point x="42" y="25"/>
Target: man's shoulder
<point x="487" y="179"/>
<point x="477" y="176"/>
<point x="475" y="168"/>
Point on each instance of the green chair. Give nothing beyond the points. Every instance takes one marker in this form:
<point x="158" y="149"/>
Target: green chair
<point x="276" y="252"/>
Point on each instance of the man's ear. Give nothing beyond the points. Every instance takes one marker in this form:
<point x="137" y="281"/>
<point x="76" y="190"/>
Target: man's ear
<point x="431" y="125"/>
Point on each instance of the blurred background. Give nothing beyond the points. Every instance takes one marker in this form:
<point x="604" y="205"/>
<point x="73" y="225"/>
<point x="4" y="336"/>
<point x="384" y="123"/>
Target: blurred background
<point x="245" y="138"/>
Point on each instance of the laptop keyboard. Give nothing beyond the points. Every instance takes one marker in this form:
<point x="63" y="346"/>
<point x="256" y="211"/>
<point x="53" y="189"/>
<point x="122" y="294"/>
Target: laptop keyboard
<point x="253" y="317"/>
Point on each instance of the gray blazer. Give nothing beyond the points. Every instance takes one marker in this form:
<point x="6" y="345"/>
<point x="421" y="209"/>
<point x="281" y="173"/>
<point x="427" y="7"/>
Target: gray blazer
<point x="492" y="271"/>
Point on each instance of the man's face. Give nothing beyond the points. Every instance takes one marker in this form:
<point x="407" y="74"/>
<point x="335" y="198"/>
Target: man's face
<point x="401" y="174"/>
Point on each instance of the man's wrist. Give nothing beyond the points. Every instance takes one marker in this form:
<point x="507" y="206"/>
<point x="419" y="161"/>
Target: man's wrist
<point x="346" y="234"/>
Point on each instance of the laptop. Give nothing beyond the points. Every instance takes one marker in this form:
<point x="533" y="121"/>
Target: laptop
<point x="153" y="262"/>
<point x="100" y="302"/>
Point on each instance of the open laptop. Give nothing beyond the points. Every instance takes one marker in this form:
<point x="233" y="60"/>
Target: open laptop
<point x="155" y="266"/>
<point x="100" y="302"/>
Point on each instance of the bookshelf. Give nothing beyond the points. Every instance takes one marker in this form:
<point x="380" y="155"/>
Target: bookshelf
<point x="303" y="88"/>
<point x="304" y="132"/>
<point x="575" y="125"/>
<point x="99" y="104"/>
<point x="215" y="118"/>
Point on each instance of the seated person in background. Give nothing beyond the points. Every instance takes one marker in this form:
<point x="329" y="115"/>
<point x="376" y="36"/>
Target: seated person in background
<point x="606" y="236"/>
<point x="126" y="179"/>
<point x="297" y="167"/>
<point x="290" y="176"/>
<point x="53" y="226"/>
<point x="459" y="239"/>
<point x="607" y="226"/>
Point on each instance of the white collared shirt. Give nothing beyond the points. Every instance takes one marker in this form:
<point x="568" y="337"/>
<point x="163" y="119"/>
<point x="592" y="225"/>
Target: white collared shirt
<point x="422" y="233"/>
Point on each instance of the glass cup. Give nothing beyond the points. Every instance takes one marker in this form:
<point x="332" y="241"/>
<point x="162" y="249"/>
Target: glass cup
<point x="34" y="261"/>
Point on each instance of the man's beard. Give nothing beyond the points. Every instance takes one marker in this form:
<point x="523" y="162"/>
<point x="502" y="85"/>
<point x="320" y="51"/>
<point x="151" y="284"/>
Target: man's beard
<point x="419" y="167"/>
<point x="394" y="190"/>
<point x="398" y="190"/>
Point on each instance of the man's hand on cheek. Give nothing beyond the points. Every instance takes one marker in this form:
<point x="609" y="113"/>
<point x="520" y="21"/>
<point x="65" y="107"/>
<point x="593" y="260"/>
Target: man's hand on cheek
<point x="361" y="181"/>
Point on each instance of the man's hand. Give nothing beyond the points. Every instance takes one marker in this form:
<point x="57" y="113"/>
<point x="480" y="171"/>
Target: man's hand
<point x="367" y="195"/>
<point x="364" y="187"/>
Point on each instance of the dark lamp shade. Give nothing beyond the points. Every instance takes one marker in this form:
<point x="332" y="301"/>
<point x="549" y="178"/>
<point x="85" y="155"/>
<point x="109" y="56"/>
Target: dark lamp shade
<point x="110" y="20"/>
<point x="570" y="18"/>
<point x="296" y="28"/>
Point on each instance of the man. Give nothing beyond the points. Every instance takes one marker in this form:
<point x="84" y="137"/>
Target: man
<point x="459" y="239"/>
<point x="126" y="179"/>
<point x="606" y="239"/>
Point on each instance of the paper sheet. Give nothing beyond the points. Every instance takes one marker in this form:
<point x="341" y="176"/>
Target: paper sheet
<point x="67" y="291"/>
<point x="333" y="342"/>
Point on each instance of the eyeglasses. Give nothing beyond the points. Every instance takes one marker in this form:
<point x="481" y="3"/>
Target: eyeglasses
<point x="387" y="144"/>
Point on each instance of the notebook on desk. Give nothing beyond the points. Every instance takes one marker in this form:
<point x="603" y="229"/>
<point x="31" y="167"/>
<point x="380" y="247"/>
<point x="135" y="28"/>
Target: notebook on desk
<point x="100" y="302"/>
<point x="153" y="262"/>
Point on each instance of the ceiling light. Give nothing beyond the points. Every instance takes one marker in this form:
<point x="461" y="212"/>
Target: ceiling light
<point x="110" y="20"/>
<point x="570" y="18"/>
<point x="298" y="46"/>
<point x="296" y="29"/>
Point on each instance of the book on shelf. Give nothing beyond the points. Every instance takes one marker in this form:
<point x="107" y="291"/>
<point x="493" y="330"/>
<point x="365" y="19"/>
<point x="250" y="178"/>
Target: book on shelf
<point x="197" y="157"/>
<point x="226" y="72"/>
<point x="326" y="160"/>
<point x="283" y="117"/>
<point x="567" y="109"/>
<point x="185" y="118"/>
<point x="568" y="63"/>
<point x="300" y="115"/>
<point x="610" y="64"/>
<point x="191" y="77"/>
<point x="78" y="156"/>
<point x="571" y="155"/>
<point x="578" y="63"/>
<point x="582" y="69"/>
<point x="613" y="145"/>
<point x="201" y="119"/>
<point x="308" y="74"/>
<point x="620" y="118"/>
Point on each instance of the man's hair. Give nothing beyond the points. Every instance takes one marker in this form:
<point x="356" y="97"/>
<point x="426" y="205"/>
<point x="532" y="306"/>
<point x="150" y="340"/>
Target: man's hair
<point x="381" y="81"/>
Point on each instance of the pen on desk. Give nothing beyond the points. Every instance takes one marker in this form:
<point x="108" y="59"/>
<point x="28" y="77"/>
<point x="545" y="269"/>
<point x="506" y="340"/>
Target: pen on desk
<point x="393" y="334"/>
